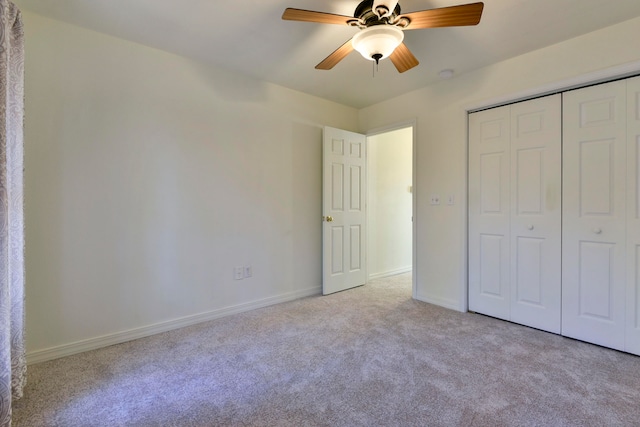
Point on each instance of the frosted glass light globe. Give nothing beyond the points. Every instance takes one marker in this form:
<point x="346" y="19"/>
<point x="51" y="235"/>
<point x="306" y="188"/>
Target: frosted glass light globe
<point x="377" y="42"/>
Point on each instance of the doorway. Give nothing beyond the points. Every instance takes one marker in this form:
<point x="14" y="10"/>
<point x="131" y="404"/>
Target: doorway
<point x="390" y="204"/>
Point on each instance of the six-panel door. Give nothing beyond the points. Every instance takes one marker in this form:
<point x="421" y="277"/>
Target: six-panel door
<point x="632" y="330"/>
<point x="536" y="213"/>
<point x="343" y="207"/>
<point x="600" y="215"/>
<point x="594" y="214"/>
<point x="489" y="212"/>
<point x="515" y="212"/>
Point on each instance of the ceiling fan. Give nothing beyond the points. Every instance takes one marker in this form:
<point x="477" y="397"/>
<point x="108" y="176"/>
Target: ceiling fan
<point x="381" y="27"/>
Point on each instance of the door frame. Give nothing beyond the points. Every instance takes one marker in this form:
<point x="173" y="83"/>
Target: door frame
<point x="414" y="203"/>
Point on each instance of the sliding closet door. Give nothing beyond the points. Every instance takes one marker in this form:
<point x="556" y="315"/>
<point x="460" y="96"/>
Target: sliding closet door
<point x="536" y="209"/>
<point x="594" y="214"/>
<point x="633" y="217"/>
<point x="489" y="212"/>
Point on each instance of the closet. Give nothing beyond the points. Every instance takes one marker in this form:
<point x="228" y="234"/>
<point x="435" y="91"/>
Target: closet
<point x="515" y="212"/>
<point x="554" y="213"/>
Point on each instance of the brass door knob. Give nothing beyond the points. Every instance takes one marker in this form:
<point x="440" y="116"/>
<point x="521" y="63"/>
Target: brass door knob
<point x="329" y="219"/>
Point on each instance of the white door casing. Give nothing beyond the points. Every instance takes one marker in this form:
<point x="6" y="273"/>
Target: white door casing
<point x="594" y="214"/>
<point x="344" y="210"/>
<point x="489" y="212"/>
<point x="632" y="331"/>
<point x="536" y="213"/>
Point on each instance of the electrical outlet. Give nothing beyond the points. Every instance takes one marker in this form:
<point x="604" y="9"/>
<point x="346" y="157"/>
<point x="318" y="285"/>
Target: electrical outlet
<point x="248" y="271"/>
<point x="435" y="199"/>
<point x="238" y="273"/>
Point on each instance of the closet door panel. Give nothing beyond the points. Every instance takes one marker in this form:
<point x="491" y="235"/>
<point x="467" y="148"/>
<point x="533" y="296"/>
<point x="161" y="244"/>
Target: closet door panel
<point x="632" y="332"/>
<point x="489" y="212"/>
<point x="594" y="214"/>
<point x="535" y="232"/>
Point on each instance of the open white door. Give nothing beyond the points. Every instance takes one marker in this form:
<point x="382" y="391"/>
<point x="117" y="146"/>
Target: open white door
<point x="344" y="215"/>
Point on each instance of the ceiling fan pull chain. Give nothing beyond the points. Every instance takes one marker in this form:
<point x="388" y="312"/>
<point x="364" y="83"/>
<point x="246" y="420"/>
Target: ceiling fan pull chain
<point x="376" y="58"/>
<point x="376" y="68"/>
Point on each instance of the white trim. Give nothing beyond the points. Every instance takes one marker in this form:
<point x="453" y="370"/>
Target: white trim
<point x="414" y="213"/>
<point x="595" y="77"/>
<point x="442" y="302"/>
<point x="145" y="331"/>
<point x="391" y="128"/>
<point x="463" y="303"/>
<point x="390" y="273"/>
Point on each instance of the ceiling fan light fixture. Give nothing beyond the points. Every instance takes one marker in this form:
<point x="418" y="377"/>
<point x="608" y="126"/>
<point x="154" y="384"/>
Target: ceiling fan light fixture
<point x="377" y="42"/>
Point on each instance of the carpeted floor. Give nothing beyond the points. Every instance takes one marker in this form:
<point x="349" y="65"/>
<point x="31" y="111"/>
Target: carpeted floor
<point x="370" y="356"/>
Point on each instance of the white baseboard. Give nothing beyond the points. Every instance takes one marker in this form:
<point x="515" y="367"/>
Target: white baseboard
<point x="442" y="302"/>
<point x="56" y="352"/>
<point x="390" y="273"/>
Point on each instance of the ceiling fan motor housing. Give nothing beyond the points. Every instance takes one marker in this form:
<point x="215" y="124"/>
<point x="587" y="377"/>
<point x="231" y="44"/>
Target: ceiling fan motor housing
<point x="369" y="16"/>
<point x="384" y="8"/>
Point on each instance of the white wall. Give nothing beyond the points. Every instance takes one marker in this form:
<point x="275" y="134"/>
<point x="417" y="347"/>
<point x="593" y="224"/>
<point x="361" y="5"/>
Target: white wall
<point x="389" y="206"/>
<point x="440" y="110"/>
<point x="148" y="178"/>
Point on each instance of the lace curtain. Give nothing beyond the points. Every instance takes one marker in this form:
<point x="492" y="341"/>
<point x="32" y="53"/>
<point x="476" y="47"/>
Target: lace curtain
<point x="12" y="351"/>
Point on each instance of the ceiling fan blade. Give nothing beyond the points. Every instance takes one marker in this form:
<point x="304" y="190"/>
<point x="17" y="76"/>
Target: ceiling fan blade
<point x="338" y="55"/>
<point x="403" y="59"/>
<point x="453" y="16"/>
<point x="291" y="14"/>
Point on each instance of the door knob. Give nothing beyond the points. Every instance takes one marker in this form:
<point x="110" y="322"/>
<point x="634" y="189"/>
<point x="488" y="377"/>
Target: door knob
<point x="530" y="226"/>
<point x="597" y="230"/>
<point x="329" y="219"/>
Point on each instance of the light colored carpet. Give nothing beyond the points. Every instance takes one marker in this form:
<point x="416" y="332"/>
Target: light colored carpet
<point x="370" y="356"/>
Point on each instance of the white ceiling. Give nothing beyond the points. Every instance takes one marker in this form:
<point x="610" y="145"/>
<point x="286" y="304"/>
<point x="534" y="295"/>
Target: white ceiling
<point x="249" y="37"/>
